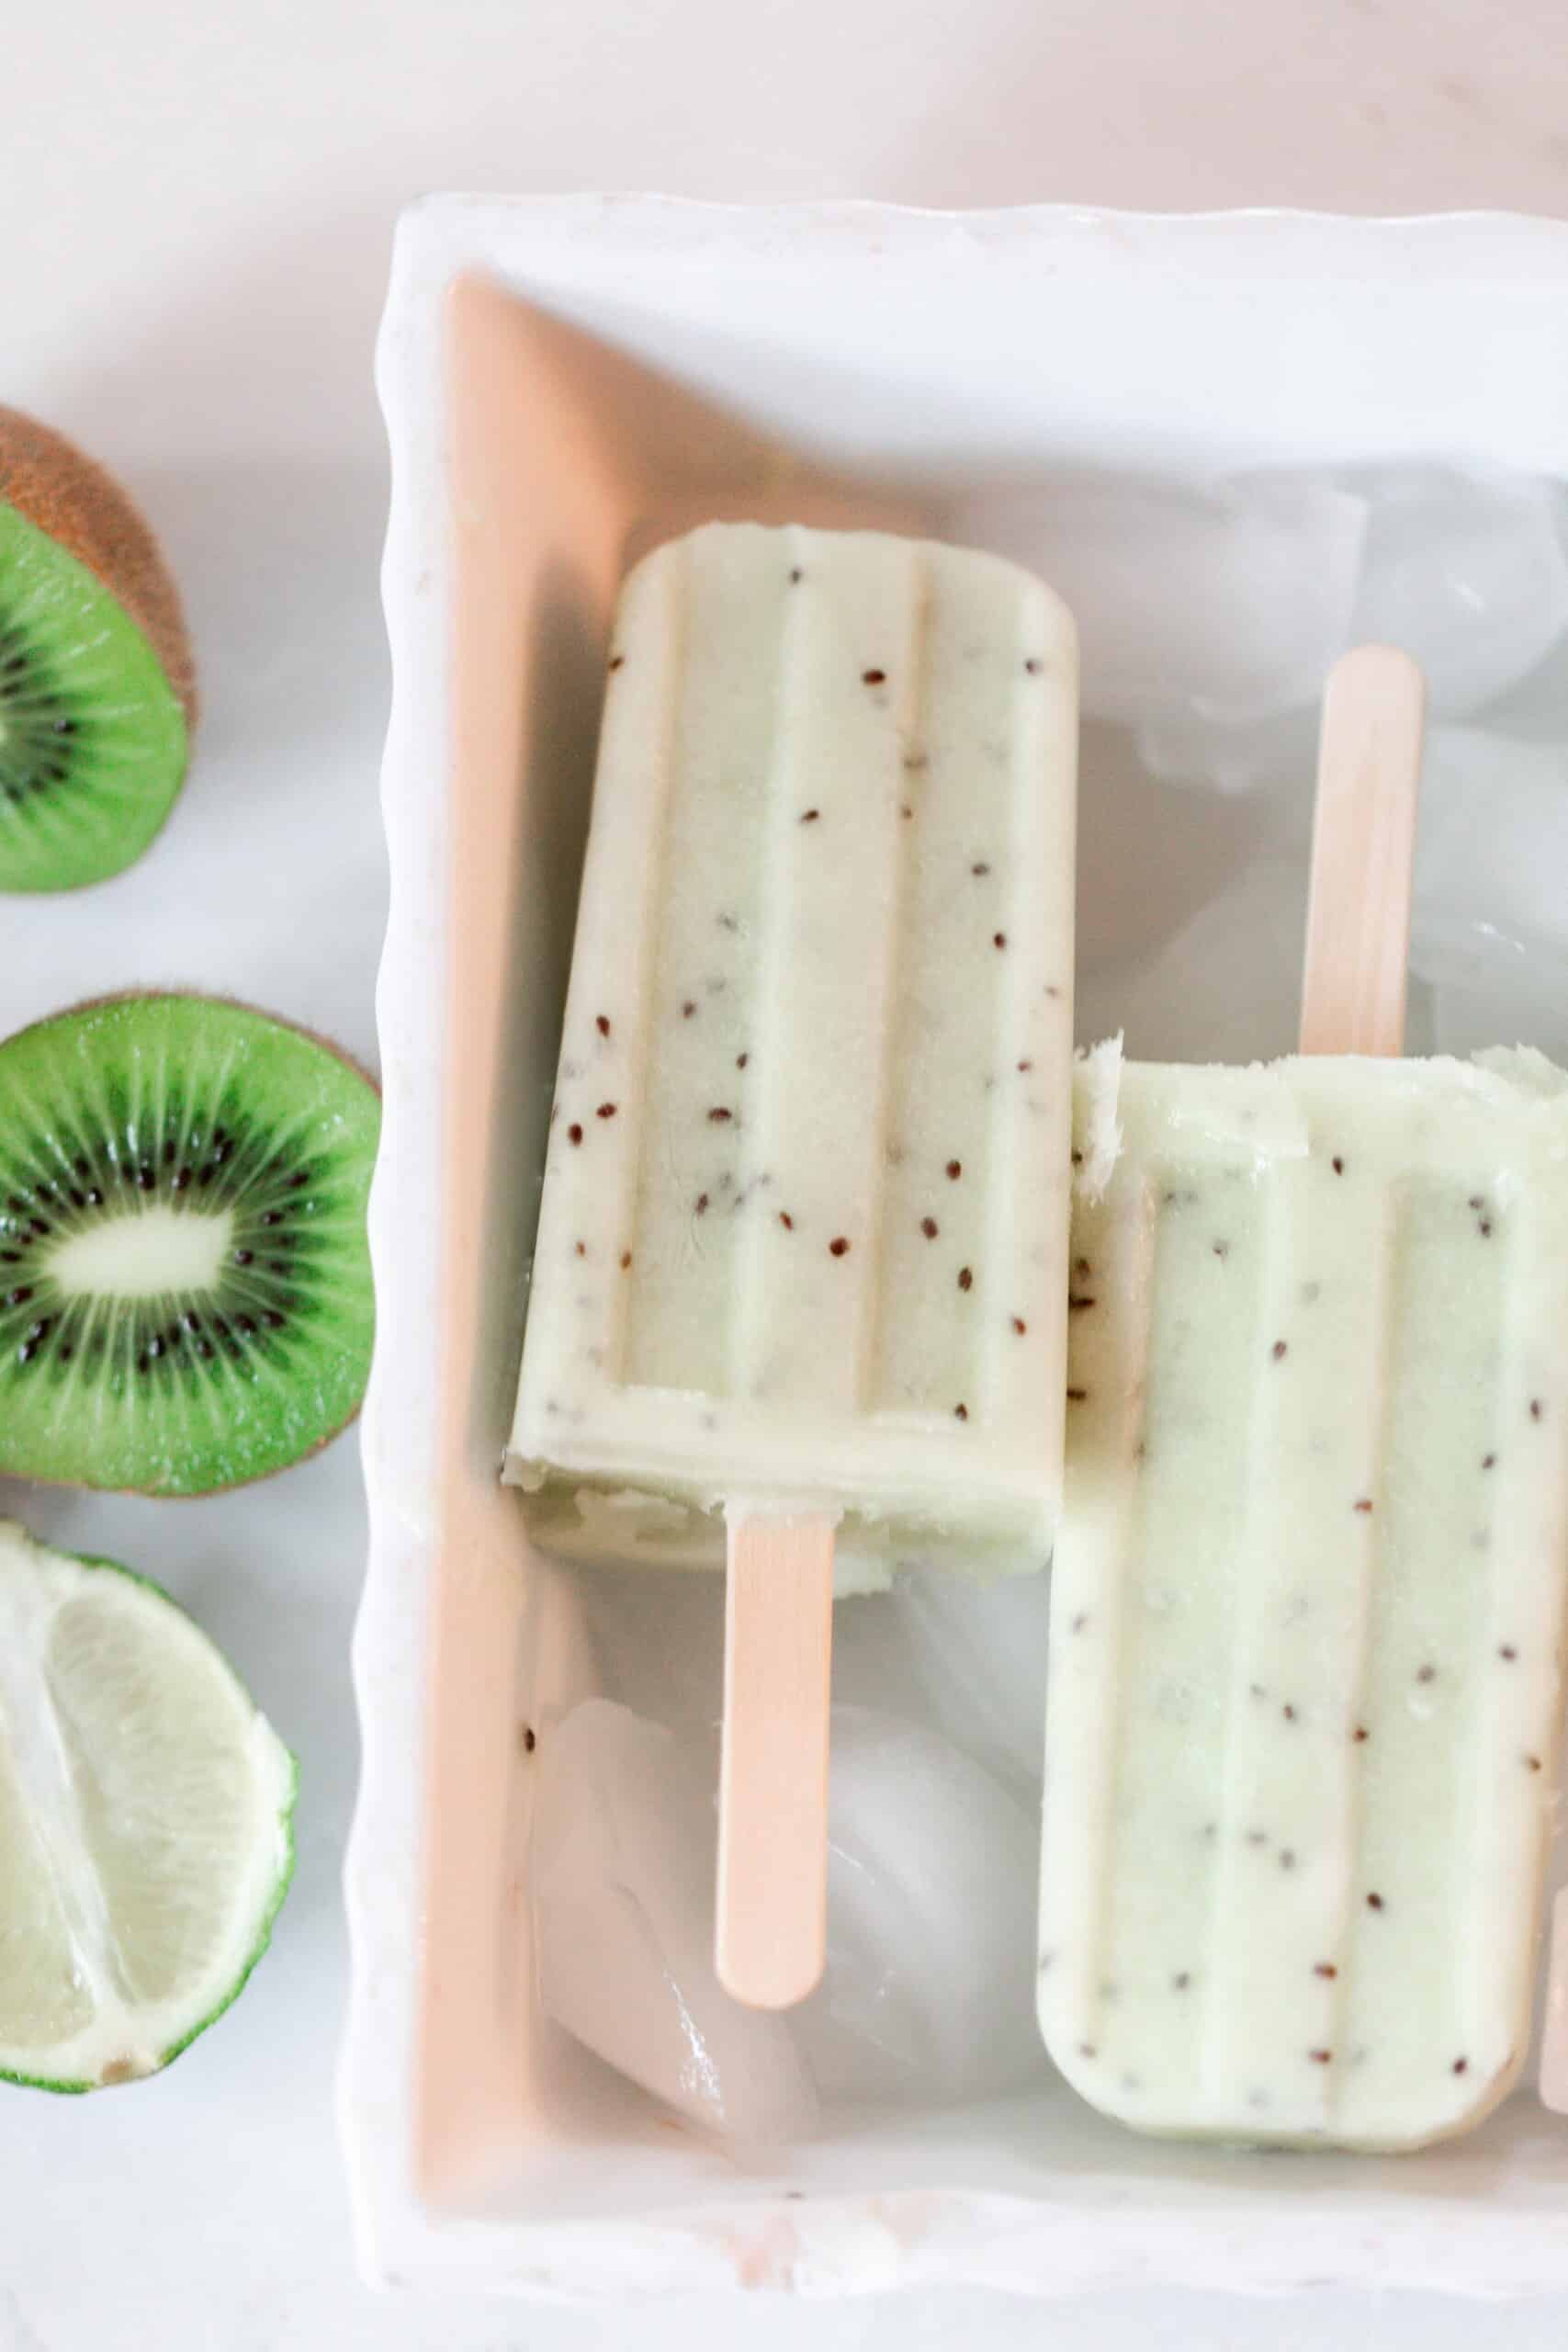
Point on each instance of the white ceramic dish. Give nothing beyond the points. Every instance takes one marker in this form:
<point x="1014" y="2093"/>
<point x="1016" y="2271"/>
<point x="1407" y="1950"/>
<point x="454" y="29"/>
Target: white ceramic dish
<point x="562" y="379"/>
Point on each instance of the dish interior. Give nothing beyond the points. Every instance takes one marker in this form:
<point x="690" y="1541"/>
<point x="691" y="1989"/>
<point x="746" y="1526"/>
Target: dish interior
<point x="601" y="393"/>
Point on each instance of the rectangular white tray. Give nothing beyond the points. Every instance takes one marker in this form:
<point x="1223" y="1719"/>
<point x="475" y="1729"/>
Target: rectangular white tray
<point x="563" y="378"/>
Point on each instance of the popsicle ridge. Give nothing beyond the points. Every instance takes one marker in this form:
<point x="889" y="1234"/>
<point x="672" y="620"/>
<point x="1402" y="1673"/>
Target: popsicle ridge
<point x="819" y="1023"/>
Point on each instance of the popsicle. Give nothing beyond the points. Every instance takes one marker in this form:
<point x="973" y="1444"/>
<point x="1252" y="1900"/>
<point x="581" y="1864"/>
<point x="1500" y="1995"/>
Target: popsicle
<point x="797" y="1296"/>
<point x="1305" y="1690"/>
<point x="1553" y="2078"/>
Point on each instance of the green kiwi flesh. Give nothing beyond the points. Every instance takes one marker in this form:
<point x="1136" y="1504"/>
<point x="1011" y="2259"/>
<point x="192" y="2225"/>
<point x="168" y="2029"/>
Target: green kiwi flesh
<point x="184" y="1280"/>
<point x="93" y="735"/>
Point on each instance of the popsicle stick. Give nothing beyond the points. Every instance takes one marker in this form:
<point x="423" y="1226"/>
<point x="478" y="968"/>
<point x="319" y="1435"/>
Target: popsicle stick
<point x="771" y="1936"/>
<point x="1369" y="774"/>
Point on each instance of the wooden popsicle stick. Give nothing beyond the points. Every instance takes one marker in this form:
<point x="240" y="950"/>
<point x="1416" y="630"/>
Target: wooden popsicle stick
<point x="1363" y="846"/>
<point x="771" y="1931"/>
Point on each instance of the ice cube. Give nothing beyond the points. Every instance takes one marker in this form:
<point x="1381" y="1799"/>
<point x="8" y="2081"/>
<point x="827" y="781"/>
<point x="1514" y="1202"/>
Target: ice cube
<point x="1536" y="708"/>
<point x="1150" y="855"/>
<point x="658" y="1640"/>
<point x="1467" y="574"/>
<point x="1233" y="603"/>
<point x="1227" y="988"/>
<point x="932" y="1889"/>
<point x="622" y="1868"/>
<point x="1490" y="922"/>
<point x="1491" y="901"/>
<point x="1260" y="755"/>
<point x="1523" y="1008"/>
<point x="875" y="1665"/>
<point x="965" y="1656"/>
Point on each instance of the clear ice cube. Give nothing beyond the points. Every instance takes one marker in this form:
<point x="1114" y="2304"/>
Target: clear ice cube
<point x="623" y="1870"/>
<point x="1149" y="854"/>
<point x="1231" y="604"/>
<point x="1469" y="575"/>
<point x="932" y="1872"/>
<point x="1226" y="989"/>
<point x="1516" y="1009"/>
<point x="1536" y="709"/>
<point x="964" y="1654"/>
<point x="658" y="1641"/>
<point x="1490" y="920"/>
<point x="1276" y="753"/>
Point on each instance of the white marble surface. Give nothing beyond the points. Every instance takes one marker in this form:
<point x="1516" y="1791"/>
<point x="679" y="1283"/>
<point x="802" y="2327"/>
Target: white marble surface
<point x="195" y="211"/>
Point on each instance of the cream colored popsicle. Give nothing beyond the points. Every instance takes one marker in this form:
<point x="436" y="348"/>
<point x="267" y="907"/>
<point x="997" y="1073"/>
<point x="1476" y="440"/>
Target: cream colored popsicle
<point x="798" y="1294"/>
<point x="1305" y="1684"/>
<point x="1306" y="1688"/>
<point x="802" y="1240"/>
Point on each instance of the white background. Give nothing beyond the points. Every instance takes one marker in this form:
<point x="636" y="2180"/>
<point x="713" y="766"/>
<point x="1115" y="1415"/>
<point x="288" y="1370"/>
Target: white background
<point x="195" y="211"/>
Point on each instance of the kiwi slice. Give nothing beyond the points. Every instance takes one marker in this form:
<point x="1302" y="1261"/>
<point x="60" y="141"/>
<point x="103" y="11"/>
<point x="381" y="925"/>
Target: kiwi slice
<point x="185" y="1284"/>
<point x="97" y="689"/>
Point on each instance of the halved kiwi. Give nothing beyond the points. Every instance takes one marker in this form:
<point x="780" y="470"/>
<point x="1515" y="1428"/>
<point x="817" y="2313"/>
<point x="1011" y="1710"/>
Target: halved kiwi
<point x="97" y="693"/>
<point x="185" y="1282"/>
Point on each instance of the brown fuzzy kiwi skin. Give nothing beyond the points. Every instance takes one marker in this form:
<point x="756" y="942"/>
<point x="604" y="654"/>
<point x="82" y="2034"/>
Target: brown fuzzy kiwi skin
<point x="68" y="495"/>
<point x="329" y="1045"/>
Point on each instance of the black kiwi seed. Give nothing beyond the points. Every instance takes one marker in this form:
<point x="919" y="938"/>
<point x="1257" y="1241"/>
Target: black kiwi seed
<point x="219" y="1324"/>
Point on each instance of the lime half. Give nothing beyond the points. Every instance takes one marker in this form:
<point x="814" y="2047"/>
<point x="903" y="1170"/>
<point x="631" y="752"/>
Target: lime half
<point x="146" y="1823"/>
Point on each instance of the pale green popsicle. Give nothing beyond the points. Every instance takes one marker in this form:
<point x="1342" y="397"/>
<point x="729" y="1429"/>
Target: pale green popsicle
<point x="804" y="1224"/>
<point x="1305" y="1691"/>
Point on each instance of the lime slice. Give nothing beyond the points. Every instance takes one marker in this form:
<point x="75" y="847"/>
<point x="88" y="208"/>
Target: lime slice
<point x="146" y="1823"/>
